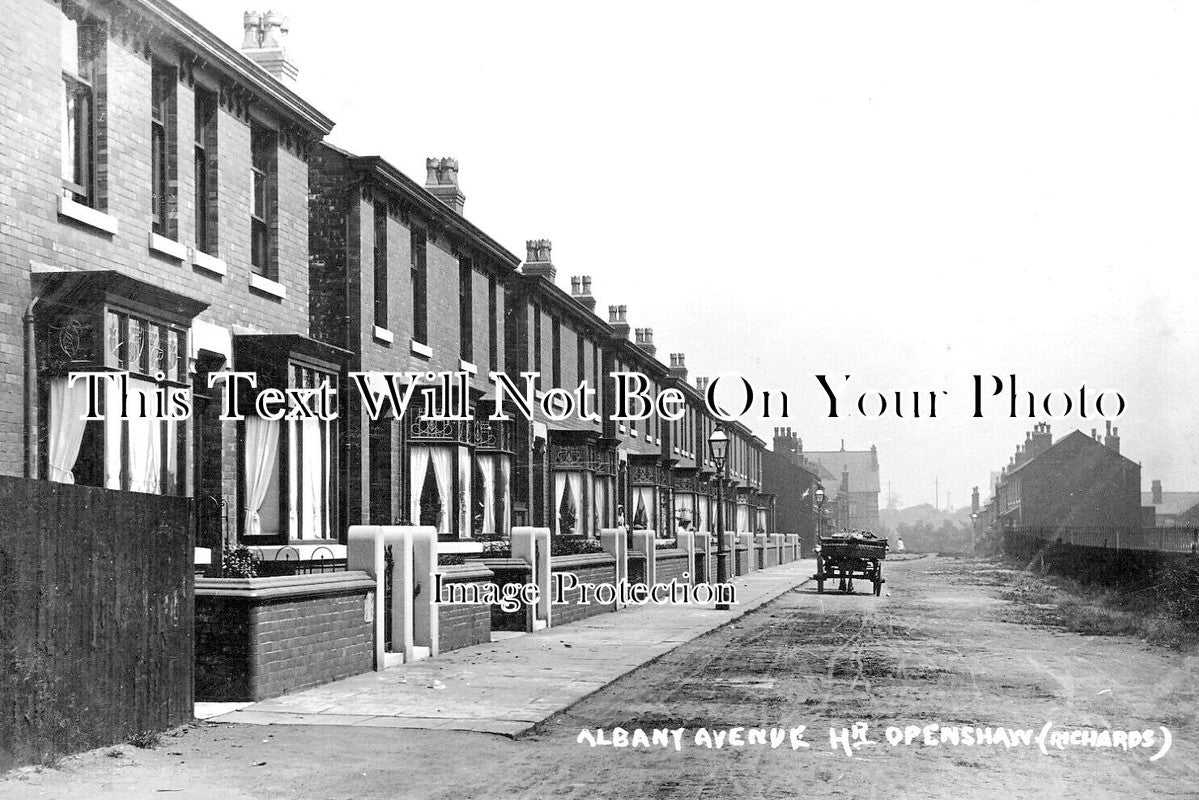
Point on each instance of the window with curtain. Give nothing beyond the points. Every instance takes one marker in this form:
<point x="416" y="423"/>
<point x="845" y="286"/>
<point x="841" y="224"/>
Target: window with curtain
<point x="466" y="310"/>
<point x="431" y="475"/>
<point x="380" y="283"/>
<point x="162" y="153"/>
<point x="312" y="451"/>
<point x="264" y="154"/>
<point x="503" y="494"/>
<point x="419" y="264"/>
<point x="205" y="170"/>
<point x="80" y="50"/>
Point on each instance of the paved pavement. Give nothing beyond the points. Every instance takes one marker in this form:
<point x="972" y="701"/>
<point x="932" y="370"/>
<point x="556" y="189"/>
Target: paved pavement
<point x="508" y="686"/>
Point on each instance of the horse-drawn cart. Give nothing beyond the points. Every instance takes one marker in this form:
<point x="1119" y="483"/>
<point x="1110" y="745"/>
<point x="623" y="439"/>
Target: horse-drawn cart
<point x="845" y="556"/>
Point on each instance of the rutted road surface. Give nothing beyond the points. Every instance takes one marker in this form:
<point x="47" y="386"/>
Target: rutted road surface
<point x="940" y="647"/>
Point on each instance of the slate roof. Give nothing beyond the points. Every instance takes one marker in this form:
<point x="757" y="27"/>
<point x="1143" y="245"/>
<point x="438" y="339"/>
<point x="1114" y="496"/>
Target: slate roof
<point x="863" y="474"/>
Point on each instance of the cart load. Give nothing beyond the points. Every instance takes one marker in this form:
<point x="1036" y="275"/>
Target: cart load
<point x="850" y="554"/>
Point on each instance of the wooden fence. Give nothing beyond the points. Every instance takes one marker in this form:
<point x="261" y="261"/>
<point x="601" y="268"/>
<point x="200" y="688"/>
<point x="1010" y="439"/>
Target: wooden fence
<point x="96" y="625"/>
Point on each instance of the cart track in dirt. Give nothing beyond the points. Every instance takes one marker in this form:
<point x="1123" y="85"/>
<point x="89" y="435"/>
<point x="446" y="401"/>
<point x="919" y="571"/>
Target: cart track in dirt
<point x="940" y="645"/>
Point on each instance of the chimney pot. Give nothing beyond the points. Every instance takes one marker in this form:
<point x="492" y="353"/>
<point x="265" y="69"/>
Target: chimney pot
<point x="265" y="43"/>
<point x="538" y="259"/>
<point x="441" y="181"/>
<point x="252" y="23"/>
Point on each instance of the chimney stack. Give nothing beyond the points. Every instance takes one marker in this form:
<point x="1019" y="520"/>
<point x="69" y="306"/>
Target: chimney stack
<point x="441" y="181"/>
<point x="645" y="340"/>
<point x="678" y="366"/>
<point x="701" y="383"/>
<point x="537" y="259"/>
<point x="616" y="318"/>
<point x="580" y="290"/>
<point x="1112" y="440"/>
<point x="265" y="43"/>
<point x="974" y="500"/>
<point x="1157" y="492"/>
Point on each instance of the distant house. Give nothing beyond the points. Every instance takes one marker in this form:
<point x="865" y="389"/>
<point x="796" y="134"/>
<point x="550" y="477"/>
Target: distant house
<point x="795" y="491"/>
<point x="1171" y="509"/>
<point x="1078" y="481"/>
<point x="855" y="485"/>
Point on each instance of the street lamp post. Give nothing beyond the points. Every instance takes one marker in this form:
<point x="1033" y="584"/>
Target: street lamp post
<point x="819" y="514"/>
<point x="719" y="444"/>
<point x="973" y="529"/>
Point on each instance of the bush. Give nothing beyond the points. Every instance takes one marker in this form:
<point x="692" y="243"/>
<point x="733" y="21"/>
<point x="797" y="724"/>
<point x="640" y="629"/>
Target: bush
<point x="239" y="563"/>
<point x="1177" y="590"/>
<point x="573" y="546"/>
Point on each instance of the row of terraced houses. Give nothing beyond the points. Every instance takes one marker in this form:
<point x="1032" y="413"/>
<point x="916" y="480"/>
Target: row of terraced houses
<point x="170" y="208"/>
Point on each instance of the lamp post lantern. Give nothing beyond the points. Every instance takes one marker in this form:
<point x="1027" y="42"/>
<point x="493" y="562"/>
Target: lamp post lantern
<point x="719" y="444"/>
<point x="819" y="514"/>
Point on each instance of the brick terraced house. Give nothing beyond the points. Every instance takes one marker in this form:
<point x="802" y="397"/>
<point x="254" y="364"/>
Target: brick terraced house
<point x="171" y="210"/>
<point x="155" y="220"/>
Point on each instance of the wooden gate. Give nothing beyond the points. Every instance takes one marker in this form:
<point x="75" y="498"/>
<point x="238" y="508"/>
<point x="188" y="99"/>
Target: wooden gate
<point x="96" y="601"/>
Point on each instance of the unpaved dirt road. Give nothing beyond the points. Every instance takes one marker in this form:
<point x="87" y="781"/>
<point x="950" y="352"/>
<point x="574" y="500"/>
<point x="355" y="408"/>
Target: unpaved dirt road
<point x="940" y="647"/>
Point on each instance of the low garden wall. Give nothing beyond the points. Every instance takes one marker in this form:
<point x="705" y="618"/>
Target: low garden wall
<point x="263" y="637"/>
<point x="741" y="559"/>
<point x="673" y="565"/>
<point x="463" y="624"/>
<point x="591" y="568"/>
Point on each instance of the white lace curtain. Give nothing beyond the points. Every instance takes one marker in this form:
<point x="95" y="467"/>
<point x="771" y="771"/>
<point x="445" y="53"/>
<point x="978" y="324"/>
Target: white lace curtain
<point x="311" y="479"/>
<point x="465" y="505"/>
<point x="262" y="459"/>
<point x="487" y="470"/>
<point x="145" y="441"/>
<point x="68" y="405"/>
<point x="742" y="518"/>
<point x="418" y="467"/>
<point x="443" y="465"/>
<point x="703" y="513"/>
<point x="645" y="500"/>
<point x="559" y="493"/>
<point x="506" y="495"/>
<point x="575" y="481"/>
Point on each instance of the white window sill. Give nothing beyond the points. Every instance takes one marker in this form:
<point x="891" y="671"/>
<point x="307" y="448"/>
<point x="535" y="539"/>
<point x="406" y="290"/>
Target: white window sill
<point x="384" y="335"/>
<point x="167" y="247"/>
<point x="421" y="349"/>
<point x="268" y="286"/>
<point x="466" y="366"/>
<point x="204" y="261"/>
<point x="88" y="216"/>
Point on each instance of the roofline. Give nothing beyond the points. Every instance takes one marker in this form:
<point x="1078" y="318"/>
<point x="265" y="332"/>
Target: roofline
<point x="401" y="183"/>
<point x="209" y="44"/>
<point x="566" y="301"/>
<point x="1059" y="441"/>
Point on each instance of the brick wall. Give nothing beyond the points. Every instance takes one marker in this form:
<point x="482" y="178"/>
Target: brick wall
<point x="741" y="560"/>
<point x="33" y="233"/>
<point x="461" y="625"/>
<point x="599" y="568"/>
<point x="671" y="565"/>
<point x="263" y="637"/>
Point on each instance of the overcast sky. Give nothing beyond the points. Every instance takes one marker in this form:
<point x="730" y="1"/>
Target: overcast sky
<point x="910" y="193"/>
